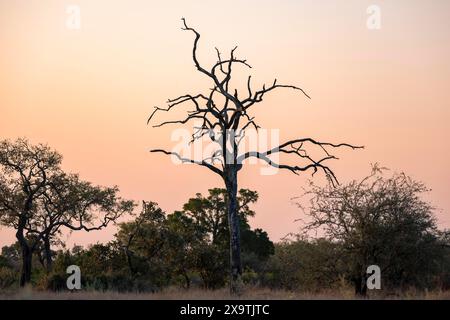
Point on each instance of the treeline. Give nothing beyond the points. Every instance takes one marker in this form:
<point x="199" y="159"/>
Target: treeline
<point x="156" y="250"/>
<point x="190" y="247"/>
<point x="380" y="220"/>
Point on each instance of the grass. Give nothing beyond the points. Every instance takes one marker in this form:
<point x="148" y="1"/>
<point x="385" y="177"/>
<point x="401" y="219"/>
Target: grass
<point x="221" y="294"/>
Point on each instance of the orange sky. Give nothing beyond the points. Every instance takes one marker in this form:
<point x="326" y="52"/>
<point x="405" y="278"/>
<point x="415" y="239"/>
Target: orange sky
<point x="88" y="92"/>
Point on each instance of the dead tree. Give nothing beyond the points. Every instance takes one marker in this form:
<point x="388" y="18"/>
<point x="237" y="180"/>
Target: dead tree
<point x="224" y="117"/>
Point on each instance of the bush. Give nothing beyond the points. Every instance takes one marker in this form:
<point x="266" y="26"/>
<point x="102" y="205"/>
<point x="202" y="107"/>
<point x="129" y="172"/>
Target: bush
<point x="304" y="265"/>
<point x="54" y="281"/>
<point x="250" y="277"/>
<point x="8" y="278"/>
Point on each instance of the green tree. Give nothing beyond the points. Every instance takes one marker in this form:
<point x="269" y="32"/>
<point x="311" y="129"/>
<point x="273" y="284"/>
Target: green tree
<point x="210" y="213"/>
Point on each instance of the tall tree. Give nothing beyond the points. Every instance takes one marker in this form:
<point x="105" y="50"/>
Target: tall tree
<point x="224" y="116"/>
<point x="37" y="199"/>
<point x="25" y="172"/>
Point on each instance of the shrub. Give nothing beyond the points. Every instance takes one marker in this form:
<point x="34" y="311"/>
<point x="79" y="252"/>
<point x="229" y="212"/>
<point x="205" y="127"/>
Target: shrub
<point x="8" y="278"/>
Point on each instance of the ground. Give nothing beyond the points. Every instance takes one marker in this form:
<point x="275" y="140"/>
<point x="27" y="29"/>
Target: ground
<point x="198" y="294"/>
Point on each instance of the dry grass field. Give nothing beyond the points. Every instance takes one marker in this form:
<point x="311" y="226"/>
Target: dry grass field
<point x="222" y="294"/>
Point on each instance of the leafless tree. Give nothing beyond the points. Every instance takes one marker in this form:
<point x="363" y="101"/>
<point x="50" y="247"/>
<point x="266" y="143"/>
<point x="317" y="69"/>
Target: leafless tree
<point x="224" y="116"/>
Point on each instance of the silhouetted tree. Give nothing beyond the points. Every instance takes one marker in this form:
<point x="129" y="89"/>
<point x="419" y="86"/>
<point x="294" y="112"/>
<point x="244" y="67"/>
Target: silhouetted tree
<point x="37" y="199"/>
<point x="72" y="204"/>
<point x="379" y="220"/>
<point x="210" y="216"/>
<point x="210" y="213"/>
<point x="183" y="240"/>
<point x="144" y="242"/>
<point x="224" y="116"/>
<point x="25" y="172"/>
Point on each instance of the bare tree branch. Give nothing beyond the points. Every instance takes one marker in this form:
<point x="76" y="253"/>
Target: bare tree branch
<point x="232" y="120"/>
<point x="186" y="160"/>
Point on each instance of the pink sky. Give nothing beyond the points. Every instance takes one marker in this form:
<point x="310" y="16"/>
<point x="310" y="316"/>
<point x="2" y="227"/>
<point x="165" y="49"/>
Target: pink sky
<point x="88" y="92"/>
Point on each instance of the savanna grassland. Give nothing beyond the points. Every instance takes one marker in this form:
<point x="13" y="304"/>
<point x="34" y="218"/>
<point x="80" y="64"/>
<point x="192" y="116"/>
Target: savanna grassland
<point x="222" y="294"/>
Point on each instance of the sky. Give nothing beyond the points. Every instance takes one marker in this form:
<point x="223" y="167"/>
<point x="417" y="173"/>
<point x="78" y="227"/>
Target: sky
<point x="88" y="91"/>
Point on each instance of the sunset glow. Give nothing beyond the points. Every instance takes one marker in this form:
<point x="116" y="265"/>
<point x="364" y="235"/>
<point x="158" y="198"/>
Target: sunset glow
<point x="88" y="92"/>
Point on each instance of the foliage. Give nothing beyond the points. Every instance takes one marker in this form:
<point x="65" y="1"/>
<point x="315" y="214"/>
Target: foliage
<point x="305" y="264"/>
<point x="38" y="199"/>
<point x="380" y="221"/>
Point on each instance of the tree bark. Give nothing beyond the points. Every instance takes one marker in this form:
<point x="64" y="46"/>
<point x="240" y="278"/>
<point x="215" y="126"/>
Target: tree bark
<point x="233" y="222"/>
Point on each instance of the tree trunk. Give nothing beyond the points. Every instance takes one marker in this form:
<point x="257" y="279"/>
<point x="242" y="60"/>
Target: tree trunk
<point x="25" y="275"/>
<point x="48" y="254"/>
<point x="27" y="254"/>
<point x="129" y="261"/>
<point x="25" y="272"/>
<point x="360" y="286"/>
<point x="233" y="222"/>
<point x="187" y="280"/>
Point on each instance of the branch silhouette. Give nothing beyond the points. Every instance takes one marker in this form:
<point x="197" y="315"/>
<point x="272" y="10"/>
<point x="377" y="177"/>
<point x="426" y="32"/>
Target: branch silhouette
<point x="225" y="117"/>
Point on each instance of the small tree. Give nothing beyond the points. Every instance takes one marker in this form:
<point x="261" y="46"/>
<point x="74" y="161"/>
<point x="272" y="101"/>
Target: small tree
<point x="143" y="239"/>
<point x="210" y="213"/>
<point x="209" y="216"/>
<point x="184" y="239"/>
<point x="224" y="116"/>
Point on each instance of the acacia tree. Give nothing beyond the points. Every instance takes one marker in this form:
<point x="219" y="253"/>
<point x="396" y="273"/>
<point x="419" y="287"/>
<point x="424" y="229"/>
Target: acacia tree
<point x="37" y="199"/>
<point x="25" y="171"/>
<point x="224" y="116"/>
<point x="72" y="204"/>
